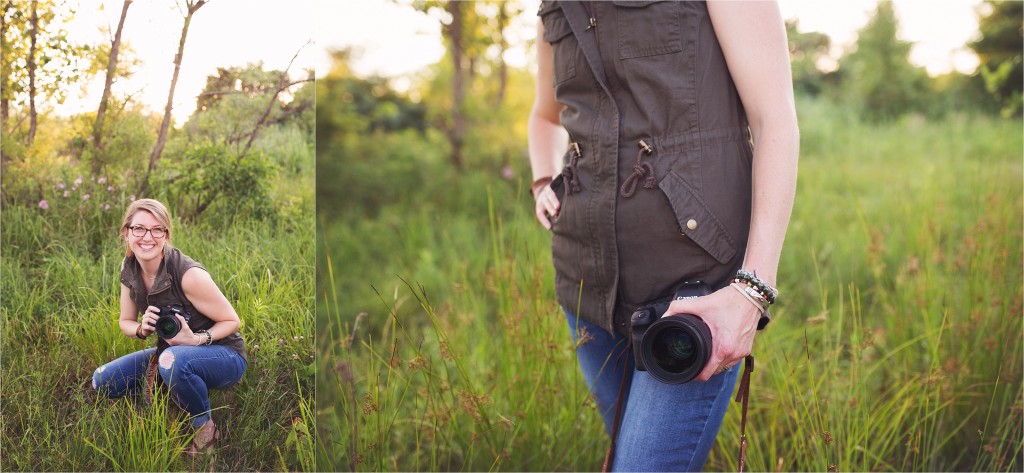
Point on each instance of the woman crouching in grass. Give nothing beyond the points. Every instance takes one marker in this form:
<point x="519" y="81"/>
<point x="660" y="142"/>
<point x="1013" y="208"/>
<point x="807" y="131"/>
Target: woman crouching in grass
<point x="202" y="350"/>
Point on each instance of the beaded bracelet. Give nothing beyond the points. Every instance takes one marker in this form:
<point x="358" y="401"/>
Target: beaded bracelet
<point x="750" y="279"/>
<point x="209" y="336"/>
<point x="755" y="298"/>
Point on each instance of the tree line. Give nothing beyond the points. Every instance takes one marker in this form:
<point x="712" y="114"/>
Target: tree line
<point x="249" y="123"/>
<point x="467" y="112"/>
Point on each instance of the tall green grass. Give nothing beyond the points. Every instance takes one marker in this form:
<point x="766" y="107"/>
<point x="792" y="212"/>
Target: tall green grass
<point x="896" y="345"/>
<point x="59" y="316"/>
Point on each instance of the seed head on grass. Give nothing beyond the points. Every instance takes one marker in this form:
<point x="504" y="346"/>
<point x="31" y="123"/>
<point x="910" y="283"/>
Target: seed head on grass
<point x="417" y="363"/>
<point x="368" y="405"/>
<point x="446" y="352"/>
<point x="471" y="404"/>
<point x="583" y="336"/>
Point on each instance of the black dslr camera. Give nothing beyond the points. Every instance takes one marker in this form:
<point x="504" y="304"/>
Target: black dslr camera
<point x="672" y="349"/>
<point x="167" y="325"/>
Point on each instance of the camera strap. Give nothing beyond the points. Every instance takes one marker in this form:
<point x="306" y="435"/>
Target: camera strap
<point x="608" y="457"/>
<point x="150" y="380"/>
<point x="742" y="396"/>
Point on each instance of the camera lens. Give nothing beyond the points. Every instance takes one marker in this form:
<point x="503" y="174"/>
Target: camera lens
<point x="676" y="348"/>
<point x="167" y="326"/>
<point x="673" y="350"/>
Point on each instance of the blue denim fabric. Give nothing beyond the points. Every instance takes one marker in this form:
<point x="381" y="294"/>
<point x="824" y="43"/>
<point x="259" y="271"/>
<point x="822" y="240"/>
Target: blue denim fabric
<point x="189" y="372"/>
<point x="665" y="427"/>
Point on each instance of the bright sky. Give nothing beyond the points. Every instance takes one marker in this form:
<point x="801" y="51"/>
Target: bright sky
<point x="223" y="33"/>
<point x="396" y="40"/>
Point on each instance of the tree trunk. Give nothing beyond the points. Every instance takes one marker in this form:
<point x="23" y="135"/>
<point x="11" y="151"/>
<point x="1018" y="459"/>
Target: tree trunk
<point x="32" y="73"/>
<point x="97" y="130"/>
<point x="457" y="130"/>
<point x="162" y="138"/>
<point x="5" y="103"/>
<point x="502" y="47"/>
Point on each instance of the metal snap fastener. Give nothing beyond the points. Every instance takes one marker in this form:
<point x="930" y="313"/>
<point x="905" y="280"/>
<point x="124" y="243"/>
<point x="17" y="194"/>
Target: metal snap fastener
<point x="691" y="224"/>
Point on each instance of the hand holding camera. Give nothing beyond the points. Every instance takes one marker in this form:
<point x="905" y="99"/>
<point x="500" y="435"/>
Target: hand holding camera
<point x="171" y="324"/>
<point x="732" y="321"/>
<point x="672" y="340"/>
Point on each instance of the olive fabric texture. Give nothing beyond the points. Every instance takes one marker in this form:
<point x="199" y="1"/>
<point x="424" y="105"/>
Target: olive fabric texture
<point x="656" y="188"/>
<point x="167" y="291"/>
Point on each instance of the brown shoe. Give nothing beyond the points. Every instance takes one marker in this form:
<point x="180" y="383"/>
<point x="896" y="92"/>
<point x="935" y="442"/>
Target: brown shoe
<point x="200" y="447"/>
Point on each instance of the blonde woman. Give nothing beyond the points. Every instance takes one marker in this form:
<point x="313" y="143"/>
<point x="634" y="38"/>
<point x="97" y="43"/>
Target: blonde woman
<point x="160" y="285"/>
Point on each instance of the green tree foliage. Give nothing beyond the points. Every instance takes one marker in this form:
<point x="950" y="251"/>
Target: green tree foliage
<point x="999" y="48"/>
<point x="877" y="76"/>
<point x="371" y="142"/>
<point x="228" y="109"/>
<point x="207" y="178"/>
<point x="807" y="52"/>
<point x="474" y="36"/>
<point x="57" y="61"/>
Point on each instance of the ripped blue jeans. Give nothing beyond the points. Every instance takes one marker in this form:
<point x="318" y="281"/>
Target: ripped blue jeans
<point x="189" y="372"/>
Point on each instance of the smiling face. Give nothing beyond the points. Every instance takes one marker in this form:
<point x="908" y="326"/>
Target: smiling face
<point x="142" y="217"/>
<point x="147" y="246"/>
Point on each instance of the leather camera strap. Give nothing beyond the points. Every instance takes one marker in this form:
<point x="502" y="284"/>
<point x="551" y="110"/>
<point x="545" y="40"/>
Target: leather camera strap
<point x="742" y="396"/>
<point x="608" y="457"/>
<point x="150" y="380"/>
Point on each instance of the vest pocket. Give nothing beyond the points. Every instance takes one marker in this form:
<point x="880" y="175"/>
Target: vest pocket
<point x="564" y="46"/>
<point x="648" y="28"/>
<point x="696" y="220"/>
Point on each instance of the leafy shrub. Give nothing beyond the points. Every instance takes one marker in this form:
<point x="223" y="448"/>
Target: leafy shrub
<point x="209" y="181"/>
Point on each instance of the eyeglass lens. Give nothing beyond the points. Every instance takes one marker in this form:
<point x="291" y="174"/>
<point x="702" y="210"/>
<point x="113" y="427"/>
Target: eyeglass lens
<point x="140" y="231"/>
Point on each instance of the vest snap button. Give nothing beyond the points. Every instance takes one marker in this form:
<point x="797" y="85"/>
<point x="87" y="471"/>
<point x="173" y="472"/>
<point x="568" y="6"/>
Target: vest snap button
<point x="691" y="224"/>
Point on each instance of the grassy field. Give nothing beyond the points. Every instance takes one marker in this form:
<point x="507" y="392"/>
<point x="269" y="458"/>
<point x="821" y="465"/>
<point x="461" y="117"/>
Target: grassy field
<point x="60" y="309"/>
<point x="896" y="345"/>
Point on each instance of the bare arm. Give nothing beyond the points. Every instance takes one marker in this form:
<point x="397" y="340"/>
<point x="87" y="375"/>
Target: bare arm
<point x="547" y="139"/>
<point x="753" y="39"/>
<point x="128" y="321"/>
<point x="207" y="298"/>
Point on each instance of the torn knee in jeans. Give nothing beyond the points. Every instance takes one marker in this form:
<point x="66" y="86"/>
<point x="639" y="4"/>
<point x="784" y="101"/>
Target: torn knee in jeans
<point x="166" y="360"/>
<point x="96" y="376"/>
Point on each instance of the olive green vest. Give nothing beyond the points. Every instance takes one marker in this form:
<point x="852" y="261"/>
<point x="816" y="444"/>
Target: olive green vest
<point x="657" y="183"/>
<point x="167" y="291"/>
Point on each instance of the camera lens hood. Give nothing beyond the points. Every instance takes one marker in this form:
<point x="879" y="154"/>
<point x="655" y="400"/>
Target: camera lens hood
<point x="676" y="348"/>
<point x="167" y="326"/>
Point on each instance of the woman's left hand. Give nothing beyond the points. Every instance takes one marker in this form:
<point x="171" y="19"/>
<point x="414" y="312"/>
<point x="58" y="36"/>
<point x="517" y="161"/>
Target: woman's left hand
<point x="185" y="336"/>
<point x="732" y="320"/>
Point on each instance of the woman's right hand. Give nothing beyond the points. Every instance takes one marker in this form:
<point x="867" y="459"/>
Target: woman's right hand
<point x="546" y="205"/>
<point x="149" y="318"/>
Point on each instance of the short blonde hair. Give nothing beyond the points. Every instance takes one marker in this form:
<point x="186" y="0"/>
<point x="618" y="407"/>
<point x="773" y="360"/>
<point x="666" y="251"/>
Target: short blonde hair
<point x="155" y="208"/>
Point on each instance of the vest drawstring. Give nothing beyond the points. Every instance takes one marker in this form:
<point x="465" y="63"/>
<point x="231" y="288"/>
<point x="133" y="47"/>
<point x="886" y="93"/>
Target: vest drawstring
<point x="640" y="169"/>
<point x="570" y="174"/>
